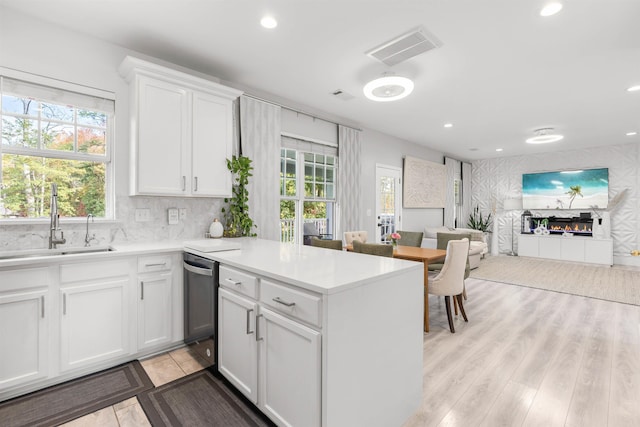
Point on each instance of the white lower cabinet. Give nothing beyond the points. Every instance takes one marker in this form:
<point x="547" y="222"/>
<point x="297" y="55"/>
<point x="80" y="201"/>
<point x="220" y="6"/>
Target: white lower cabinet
<point x="94" y="323"/>
<point x="237" y="345"/>
<point x="267" y="353"/>
<point x="290" y="371"/>
<point x="155" y="301"/>
<point x="24" y="326"/>
<point x="576" y="248"/>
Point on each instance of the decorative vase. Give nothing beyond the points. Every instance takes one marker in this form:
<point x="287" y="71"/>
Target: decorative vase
<point x="216" y="229"/>
<point x="394" y="243"/>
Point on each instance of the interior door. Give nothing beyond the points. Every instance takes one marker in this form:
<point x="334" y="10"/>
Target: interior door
<point x="388" y="201"/>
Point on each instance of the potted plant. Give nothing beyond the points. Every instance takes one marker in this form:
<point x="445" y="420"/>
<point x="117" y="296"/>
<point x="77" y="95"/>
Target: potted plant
<point x="479" y="222"/>
<point x="238" y="223"/>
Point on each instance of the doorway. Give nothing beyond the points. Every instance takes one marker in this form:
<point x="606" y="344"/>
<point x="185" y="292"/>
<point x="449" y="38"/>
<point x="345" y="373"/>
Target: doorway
<point x="388" y="201"/>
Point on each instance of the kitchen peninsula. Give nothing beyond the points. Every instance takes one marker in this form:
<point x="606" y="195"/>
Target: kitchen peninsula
<point x="320" y="337"/>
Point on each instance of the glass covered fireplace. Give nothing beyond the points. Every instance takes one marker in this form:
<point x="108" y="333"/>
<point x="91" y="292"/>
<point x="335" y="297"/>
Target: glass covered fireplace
<point x="580" y="226"/>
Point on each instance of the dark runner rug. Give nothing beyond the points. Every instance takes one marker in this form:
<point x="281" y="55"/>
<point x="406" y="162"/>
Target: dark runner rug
<point x="64" y="402"/>
<point x="198" y="399"/>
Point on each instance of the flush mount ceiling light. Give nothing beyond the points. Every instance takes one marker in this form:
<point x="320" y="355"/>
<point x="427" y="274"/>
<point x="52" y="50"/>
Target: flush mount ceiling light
<point x="269" y="22"/>
<point x="388" y="88"/>
<point x="631" y="133"/>
<point x="448" y="125"/>
<point x="551" y="9"/>
<point x="544" y="136"/>
<point x="633" y="88"/>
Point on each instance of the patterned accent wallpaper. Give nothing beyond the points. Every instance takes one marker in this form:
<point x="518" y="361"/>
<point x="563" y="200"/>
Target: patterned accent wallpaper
<point x="494" y="180"/>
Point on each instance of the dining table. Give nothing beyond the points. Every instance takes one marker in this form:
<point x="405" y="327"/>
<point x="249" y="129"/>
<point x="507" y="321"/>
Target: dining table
<point x="425" y="256"/>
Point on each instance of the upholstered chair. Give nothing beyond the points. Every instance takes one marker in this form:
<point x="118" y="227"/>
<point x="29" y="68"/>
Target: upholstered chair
<point x="350" y="236"/>
<point x="328" y="244"/>
<point x="373" y="249"/>
<point x="443" y="239"/>
<point x="450" y="281"/>
<point x="410" y="238"/>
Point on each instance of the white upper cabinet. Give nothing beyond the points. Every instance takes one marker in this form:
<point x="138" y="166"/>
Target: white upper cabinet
<point x="181" y="132"/>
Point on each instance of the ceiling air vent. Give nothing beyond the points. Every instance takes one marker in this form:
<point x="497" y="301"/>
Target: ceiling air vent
<point x="340" y="94"/>
<point x="406" y="46"/>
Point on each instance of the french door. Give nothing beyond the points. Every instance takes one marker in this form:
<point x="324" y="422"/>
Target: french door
<point x="388" y="201"/>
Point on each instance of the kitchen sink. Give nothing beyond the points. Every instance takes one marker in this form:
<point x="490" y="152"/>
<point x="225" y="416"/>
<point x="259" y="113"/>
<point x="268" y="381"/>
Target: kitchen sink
<point x="33" y="253"/>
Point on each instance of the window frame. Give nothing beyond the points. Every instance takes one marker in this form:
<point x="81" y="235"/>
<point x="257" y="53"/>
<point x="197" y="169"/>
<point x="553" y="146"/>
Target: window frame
<point x="71" y="90"/>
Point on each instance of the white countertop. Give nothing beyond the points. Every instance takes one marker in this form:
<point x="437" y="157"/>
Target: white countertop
<point x="316" y="269"/>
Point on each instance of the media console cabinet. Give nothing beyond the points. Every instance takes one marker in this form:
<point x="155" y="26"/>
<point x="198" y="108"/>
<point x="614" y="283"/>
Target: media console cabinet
<point x="575" y="248"/>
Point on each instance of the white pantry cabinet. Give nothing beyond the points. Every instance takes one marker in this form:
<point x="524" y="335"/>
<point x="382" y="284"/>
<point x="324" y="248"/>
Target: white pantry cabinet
<point x="24" y="325"/>
<point x="95" y="313"/>
<point x="266" y="351"/>
<point x="181" y="132"/>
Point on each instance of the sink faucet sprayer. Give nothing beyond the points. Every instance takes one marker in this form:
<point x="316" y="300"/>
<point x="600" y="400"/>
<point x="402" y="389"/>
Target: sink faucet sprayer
<point x="54" y="241"/>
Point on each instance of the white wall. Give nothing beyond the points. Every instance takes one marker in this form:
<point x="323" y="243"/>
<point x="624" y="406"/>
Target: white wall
<point x="378" y="148"/>
<point x="499" y="178"/>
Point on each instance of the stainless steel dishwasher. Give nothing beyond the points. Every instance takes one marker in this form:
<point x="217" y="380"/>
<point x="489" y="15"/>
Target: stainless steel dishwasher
<point x="201" y="306"/>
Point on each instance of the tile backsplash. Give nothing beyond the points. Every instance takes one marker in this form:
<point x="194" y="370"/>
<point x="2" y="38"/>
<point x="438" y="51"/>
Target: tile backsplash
<point x="200" y="214"/>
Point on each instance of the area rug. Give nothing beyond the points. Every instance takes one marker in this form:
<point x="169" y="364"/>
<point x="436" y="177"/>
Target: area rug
<point x="198" y="399"/>
<point x="617" y="283"/>
<point x="64" y="402"/>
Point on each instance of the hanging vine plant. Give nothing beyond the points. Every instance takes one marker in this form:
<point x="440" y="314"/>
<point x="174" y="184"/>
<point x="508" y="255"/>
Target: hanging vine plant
<point x="238" y="223"/>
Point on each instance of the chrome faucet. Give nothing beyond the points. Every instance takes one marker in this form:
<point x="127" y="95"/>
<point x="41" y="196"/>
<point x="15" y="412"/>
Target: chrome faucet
<point x="87" y="238"/>
<point x="54" y="241"/>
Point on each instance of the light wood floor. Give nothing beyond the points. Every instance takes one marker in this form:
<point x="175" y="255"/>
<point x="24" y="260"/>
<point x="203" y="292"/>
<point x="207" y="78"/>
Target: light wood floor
<point x="530" y="357"/>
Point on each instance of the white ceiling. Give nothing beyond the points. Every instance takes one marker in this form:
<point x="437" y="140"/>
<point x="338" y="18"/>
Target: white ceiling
<point x="502" y="72"/>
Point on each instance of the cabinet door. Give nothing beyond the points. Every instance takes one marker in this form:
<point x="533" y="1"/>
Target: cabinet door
<point x="527" y="245"/>
<point x="572" y="249"/>
<point x="24" y="337"/>
<point x="290" y="371"/>
<point x="94" y="324"/>
<point x="211" y="145"/>
<point x="161" y="146"/>
<point x="237" y="346"/>
<point x="598" y="251"/>
<point x="154" y="309"/>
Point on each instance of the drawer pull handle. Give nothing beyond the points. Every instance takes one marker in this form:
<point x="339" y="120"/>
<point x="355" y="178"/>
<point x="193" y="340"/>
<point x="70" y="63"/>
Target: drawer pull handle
<point x="249" y="331"/>
<point x="157" y="264"/>
<point x="288" y="304"/>
<point x="141" y="290"/>
<point x="42" y="300"/>
<point x="233" y="282"/>
<point x="64" y="304"/>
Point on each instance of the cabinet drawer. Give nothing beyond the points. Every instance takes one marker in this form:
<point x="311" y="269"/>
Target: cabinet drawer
<point x="301" y="305"/>
<point x="239" y="281"/>
<point x="94" y="270"/>
<point x="154" y="263"/>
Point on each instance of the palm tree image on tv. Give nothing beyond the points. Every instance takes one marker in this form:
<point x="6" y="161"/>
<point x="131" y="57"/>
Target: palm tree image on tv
<point x="574" y="190"/>
<point x="569" y="189"/>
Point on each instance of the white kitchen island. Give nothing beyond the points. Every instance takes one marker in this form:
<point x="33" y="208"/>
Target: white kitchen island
<point x="317" y="337"/>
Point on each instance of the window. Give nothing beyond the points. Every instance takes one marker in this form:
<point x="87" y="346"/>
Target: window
<point x="308" y="193"/>
<point x="52" y="135"/>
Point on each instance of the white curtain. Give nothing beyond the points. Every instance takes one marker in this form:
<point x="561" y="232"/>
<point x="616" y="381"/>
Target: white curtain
<point x="452" y="167"/>
<point x="466" y="208"/>
<point x="260" y="141"/>
<point x="349" y="182"/>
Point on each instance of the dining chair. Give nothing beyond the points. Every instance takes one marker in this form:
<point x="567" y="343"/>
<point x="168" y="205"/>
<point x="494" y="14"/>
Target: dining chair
<point x="328" y="244"/>
<point x="373" y="249"/>
<point x="450" y="281"/>
<point x="350" y="236"/>
<point x="410" y="238"/>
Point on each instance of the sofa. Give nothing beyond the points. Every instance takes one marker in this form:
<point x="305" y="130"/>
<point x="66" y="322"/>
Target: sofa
<point x="478" y="247"/>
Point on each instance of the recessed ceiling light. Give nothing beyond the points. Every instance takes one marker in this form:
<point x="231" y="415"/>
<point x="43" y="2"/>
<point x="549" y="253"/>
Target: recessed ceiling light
<point x="544" y="136"/>
<point x="448" y="125"/>
<point x="388" y="88"/>
<point x="269" y="22"/>
<point x="633" y="88"/>
<point x="498" y="149"/>
<point x="551" y="9"/>
<point x="632" y="133"/>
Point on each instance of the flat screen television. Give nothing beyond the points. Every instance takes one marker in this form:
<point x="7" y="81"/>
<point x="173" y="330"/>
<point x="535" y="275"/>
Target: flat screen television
<point x="569" y="189"/>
